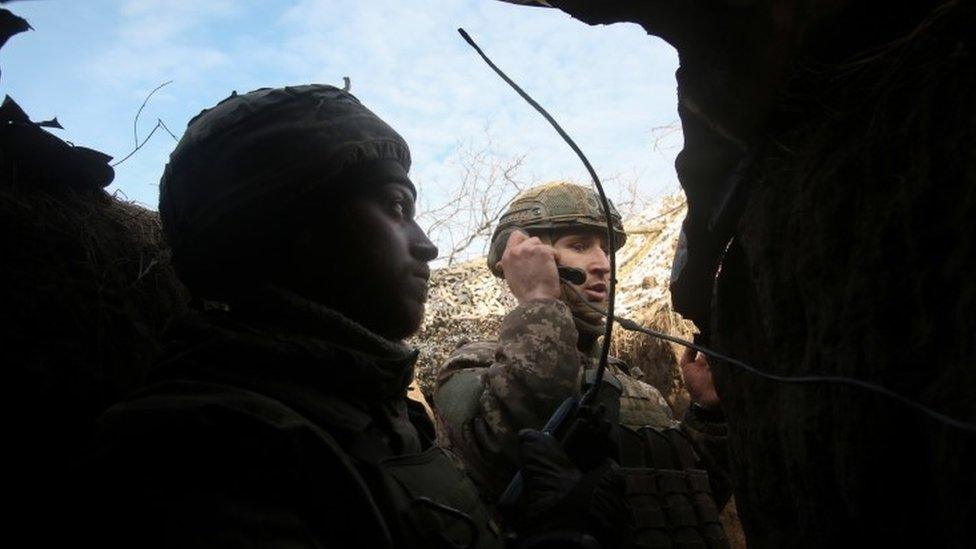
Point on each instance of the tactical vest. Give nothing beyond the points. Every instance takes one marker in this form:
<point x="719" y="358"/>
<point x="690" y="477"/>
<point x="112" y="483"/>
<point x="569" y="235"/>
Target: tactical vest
<point x="667" y="495"/>
<point x="637" y="406"/>
<point x="427" y="500"/>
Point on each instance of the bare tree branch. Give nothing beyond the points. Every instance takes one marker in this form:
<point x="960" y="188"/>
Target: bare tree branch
<point x="135" y="126"/>
<point x="159" y="124"/>
<point x="135" y="121"/>
<point x="648" y="228"/>
<point x="660" y="134"/>
<point x="488" y="181"/>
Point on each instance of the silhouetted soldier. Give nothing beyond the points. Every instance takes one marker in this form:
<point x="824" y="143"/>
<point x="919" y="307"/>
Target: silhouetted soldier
<point x="279" y="417"/>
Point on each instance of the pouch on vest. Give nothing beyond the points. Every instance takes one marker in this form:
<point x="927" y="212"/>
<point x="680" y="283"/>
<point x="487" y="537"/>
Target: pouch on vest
<point x="668" y="497"/>
<point x="437" y="504"/>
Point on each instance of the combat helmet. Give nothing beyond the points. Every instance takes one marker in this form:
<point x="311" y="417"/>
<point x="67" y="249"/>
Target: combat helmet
<point x="550" y="208"/>
<point x="240" y="183"/>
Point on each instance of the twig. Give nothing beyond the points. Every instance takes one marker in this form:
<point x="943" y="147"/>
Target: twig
<point x="135" y="126"/>
<point x="646" y="228"/>
<point x="159" y="124"/>
<point x="661" y="133"/>
<point x="163" y="124"/>
<point x="135" y="122"/>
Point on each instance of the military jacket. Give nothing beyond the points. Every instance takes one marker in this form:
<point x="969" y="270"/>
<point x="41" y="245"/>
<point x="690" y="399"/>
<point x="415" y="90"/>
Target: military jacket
<point x="288" y="433"/>
<point x="487" y="391"/>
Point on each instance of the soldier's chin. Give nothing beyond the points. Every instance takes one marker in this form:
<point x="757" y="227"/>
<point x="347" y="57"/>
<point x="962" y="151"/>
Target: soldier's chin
<point x="400" y="322"/>
<point x="594" y="318"/>
<point x="588" y="315"/>
<point x="413" y="320"/>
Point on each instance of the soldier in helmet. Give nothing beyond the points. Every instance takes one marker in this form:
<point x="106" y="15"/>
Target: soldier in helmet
<point x="278" y="416"/>
<point x="546" y="351"/>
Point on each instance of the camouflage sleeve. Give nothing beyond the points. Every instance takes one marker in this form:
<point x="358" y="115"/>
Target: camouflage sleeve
<point x="488" y="391"/>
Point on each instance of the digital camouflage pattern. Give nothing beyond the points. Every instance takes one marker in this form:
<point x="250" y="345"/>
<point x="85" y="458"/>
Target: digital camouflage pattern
<point x="487" y="391"/>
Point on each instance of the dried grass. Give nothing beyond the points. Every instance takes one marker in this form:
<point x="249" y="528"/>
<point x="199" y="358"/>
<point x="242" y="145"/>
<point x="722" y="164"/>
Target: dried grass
<point x="86" y="292"/>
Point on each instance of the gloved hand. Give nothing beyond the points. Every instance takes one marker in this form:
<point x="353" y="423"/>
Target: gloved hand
<point x="550" y="477"/>
<point x="561" y="505"/>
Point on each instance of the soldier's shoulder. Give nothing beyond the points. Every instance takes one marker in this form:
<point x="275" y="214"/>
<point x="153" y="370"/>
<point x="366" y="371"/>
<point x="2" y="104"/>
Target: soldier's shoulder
<point x="471" y="356"/>
<point x="459" y="383"/>
<point x="473" y="353"/>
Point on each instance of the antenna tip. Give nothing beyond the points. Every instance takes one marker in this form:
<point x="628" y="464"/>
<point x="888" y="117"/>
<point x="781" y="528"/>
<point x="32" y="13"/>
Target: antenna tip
<point x="465" y="35"/>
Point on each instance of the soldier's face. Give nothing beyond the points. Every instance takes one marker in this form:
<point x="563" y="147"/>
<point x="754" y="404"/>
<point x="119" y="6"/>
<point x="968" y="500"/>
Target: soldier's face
<point x="369" y="260"/>
<point x="587" y="251"/>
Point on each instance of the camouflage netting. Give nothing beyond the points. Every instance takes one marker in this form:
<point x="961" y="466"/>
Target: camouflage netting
<point x="467" y="303"/>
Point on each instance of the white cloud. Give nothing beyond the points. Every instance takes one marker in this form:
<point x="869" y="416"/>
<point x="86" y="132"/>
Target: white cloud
<point x="408" y="63"/>
<point x="157" y="40"/>
<point x="608" y="86"/>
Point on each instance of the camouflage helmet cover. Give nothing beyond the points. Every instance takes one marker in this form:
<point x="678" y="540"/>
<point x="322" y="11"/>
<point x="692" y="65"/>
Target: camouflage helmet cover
<point x="549" y="208"/>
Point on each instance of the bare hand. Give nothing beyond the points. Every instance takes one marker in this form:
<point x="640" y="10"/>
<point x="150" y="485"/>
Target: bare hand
<point x="697" y="376"/>
<point x="530" y="268"/>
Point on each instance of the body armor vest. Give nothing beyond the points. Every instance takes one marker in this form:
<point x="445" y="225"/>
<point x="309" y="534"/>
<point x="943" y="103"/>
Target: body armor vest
<point x="666" y="493"/>
<point x="426" y="498"/>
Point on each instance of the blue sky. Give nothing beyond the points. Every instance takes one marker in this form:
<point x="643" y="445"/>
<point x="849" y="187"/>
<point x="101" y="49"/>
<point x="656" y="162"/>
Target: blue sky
<point x="92" y="63"/>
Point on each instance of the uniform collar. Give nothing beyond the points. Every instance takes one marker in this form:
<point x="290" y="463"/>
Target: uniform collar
<point x="278" y="338"/>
